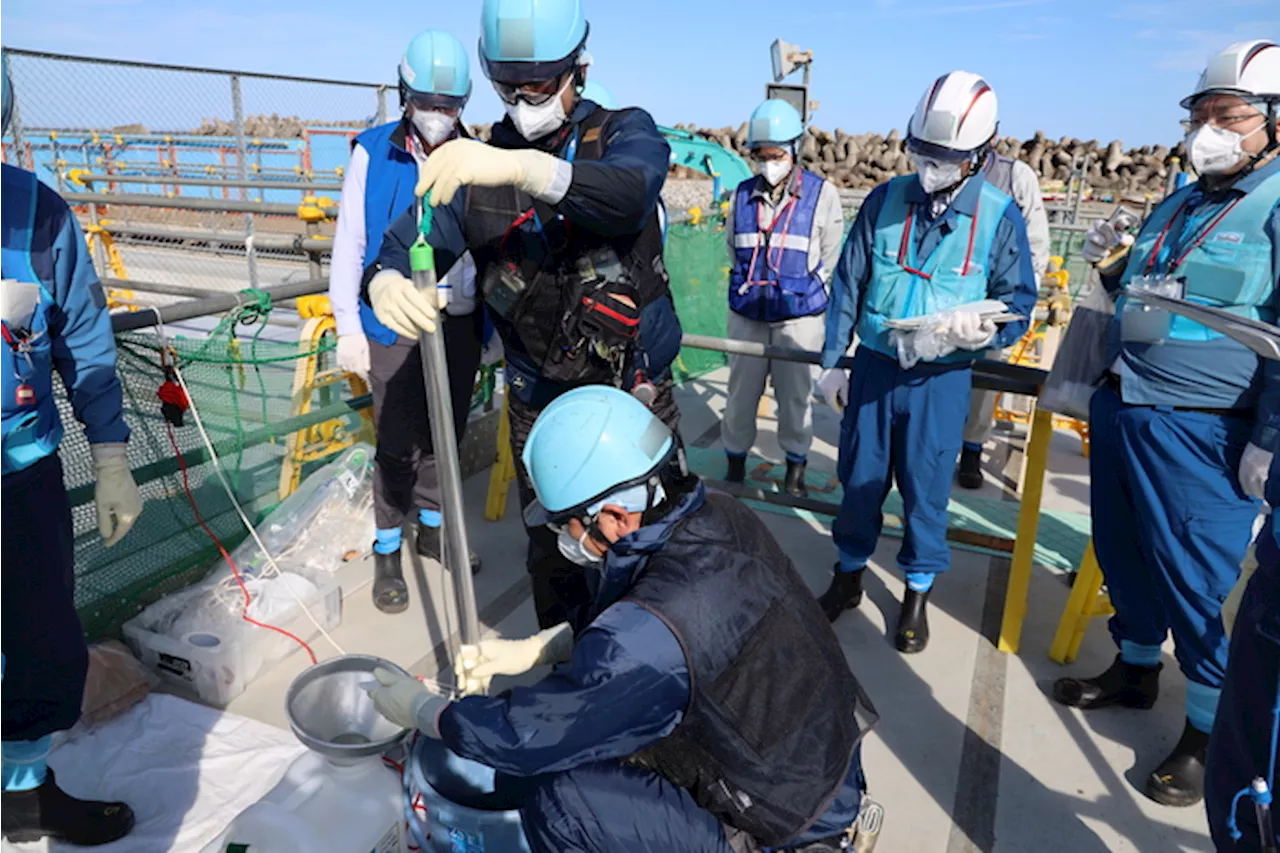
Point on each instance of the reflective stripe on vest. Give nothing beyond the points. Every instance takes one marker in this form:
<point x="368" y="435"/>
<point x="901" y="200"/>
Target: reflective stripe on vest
<point x="954" y="273"/>
<point x="33" y="431"/>
<point x="388" y="192"/>
<point x="771" y="280"/>
<point x="1230" y="268"/>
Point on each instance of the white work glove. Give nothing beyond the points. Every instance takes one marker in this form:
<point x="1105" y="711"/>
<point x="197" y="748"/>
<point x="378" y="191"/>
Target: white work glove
<point x="353" y="355"/>
<point x="407" y="702"/>
<point x="1231" y="607"/>
<point x="967" y="330"/>
<point x="468" y="162"/>
<point x="401" y="307"/>
<point x="116" y="494"/>
<point x="1254" y="465"/>
<point x="1104" y="236"/>
<point x="477" y="664"/>
<point x="833" y="384"/>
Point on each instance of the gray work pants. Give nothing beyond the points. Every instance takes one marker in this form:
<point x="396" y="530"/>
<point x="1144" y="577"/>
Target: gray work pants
<point x="977" y="429"/>
<point x="792" y="384"/>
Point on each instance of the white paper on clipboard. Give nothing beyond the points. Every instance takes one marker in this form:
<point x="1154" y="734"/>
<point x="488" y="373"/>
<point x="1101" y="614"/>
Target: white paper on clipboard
<point x="1262" y="338"/>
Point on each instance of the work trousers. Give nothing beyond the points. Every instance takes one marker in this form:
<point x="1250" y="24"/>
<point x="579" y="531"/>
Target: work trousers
<point x="792" y="384"/>
<point x="1170" y="524"/>
<point x="559" y="587"/>
<point x="45" y="655"/>
<point x="905" y="426"/>
<point x="1243" y="744"/>
<point x="404" y="473"/>
<point x="982" y="406"/>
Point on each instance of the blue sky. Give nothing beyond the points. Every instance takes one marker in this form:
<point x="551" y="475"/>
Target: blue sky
<point x="1085" y="68"/>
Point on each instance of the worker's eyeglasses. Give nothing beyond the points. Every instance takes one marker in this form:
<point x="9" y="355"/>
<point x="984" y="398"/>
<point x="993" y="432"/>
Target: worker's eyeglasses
<point x="763" y="157"/>
<point x="535" y="93"/>
<point x="1225" y="122"/>
<point x="435" y="104"/>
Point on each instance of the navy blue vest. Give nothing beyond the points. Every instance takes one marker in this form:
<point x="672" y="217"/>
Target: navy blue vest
<point x="388" y="192"/>
<point x="771" y="280"/>
<point x="775" y="713"/>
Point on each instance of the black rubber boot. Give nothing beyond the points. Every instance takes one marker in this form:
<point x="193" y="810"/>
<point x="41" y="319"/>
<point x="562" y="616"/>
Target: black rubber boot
<point x="736" y="471"/>
<point x="428" y="543"/>
<point x="390" y="593"/>
<point x="845" y="593"/>
<point x="913" y="623"/>
<point x="1179" y="780"/>
<point x="1122" y="684"/>
<point x="50" y="812"/>
<point x="969" y="475"/>
<point x="794" y="484"/>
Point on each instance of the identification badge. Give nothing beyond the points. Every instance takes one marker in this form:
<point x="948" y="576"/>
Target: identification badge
<point x="1145" y="324"/>
<point x="24" y="395"/>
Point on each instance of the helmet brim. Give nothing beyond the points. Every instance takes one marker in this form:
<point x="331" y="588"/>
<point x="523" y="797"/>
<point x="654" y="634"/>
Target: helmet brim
<point x="1252" y="98"/>
<point x="937" y="152"/>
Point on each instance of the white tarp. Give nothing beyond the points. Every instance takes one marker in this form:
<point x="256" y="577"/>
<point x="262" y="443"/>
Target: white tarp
<point x="186" y="770"/>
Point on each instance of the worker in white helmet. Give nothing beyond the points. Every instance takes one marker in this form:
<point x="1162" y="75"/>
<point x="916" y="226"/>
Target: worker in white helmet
<point x="1182" y="425"/>
<point x="923" y="245"/>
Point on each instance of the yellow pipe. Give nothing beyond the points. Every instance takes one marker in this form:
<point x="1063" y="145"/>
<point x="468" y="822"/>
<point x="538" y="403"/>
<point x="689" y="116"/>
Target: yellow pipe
<point x="1024" y="546"/>
<point x="1079" y="609"/>
<point x="504" y="470"/>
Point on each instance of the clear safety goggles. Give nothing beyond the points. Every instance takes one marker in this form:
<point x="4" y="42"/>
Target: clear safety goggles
<point x="535" y="93"/>
<point x="450" y="105"/>
<point x="921" y="148"/>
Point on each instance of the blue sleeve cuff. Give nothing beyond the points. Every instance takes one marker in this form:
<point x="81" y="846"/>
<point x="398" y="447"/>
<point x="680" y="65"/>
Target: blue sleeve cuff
<point x="1266" y="434"/>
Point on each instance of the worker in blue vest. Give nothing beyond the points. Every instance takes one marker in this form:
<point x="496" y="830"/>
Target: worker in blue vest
<point x="700" y="704"/>
<point x="1180" y="427"/>
<point x="54" y="317"/>
<point x="435" y="83"/>
<point x="922" y="245"/>
<point x="785" y="242"/>
<point x="560" y="211"/>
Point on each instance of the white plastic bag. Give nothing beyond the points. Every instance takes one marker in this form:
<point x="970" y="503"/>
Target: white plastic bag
<point x="1082" y="359"/>
<point x="929" y="341"/>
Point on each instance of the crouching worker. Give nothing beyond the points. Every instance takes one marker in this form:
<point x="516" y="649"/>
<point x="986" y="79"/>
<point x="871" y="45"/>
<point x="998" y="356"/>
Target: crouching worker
<point x="703" y="704"/>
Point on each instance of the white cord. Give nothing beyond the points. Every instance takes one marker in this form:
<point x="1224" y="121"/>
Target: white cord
<point x="226" y="485"/>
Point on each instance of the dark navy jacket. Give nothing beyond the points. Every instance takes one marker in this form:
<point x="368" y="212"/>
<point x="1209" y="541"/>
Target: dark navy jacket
<point x="626" y="688"/>
<point x="613" y="196"/>
<point x="1011" y="278"/>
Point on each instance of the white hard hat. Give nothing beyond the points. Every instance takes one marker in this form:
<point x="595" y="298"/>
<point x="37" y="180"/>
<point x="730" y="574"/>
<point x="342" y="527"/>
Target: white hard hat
<point x="956" y="117"/>
<point x="1250" y="69"/>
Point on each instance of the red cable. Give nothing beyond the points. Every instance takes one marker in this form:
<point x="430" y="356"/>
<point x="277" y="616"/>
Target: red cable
<point x="244" y="614"/>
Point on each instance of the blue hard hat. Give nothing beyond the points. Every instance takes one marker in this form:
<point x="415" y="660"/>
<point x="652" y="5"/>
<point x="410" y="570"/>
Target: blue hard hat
<point x="588" y="444"/>
<point x="7" y="99"/>
<point x="523" y="41"/>
<point x="435" y="68"/>
<point x="593" y="91"/>
<point x="774" y="122"/>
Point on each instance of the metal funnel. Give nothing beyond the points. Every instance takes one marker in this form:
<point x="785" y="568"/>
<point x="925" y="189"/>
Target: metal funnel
<point x="330" y="712"/>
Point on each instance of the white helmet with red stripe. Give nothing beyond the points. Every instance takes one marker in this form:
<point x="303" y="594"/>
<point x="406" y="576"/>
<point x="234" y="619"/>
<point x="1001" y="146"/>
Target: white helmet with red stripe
<point x="956" y="116"/>
<point x="1250" y="69"/>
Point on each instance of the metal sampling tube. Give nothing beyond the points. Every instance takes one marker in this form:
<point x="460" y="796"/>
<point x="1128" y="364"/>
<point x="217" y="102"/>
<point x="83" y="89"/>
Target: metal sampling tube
<point x="444" y="441"/>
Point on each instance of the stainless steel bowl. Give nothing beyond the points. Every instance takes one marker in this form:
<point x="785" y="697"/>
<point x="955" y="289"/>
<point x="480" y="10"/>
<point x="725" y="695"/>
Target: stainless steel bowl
<point x="330" y="712"/>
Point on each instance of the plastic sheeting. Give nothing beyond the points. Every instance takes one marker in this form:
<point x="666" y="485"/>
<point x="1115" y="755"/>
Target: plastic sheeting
<point x="186" y="770"/>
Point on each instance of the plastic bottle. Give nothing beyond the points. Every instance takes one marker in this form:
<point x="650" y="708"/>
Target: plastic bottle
<point x="321" y="806"/>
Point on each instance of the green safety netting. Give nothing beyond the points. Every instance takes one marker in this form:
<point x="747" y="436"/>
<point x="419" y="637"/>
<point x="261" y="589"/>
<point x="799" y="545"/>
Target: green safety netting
<point x="698" y="263"/>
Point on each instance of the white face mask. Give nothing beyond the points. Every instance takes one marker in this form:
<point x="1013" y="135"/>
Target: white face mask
<point x="434" y="127"/>
<point x="576" y="550"/>
<point x="775" y="171"/>
<point x="937" y="175"/>
<point x="1215" y="150"/>
<point x="535" y="122"/>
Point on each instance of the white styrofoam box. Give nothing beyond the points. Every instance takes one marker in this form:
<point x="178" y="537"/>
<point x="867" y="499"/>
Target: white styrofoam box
<point x="218" y="669"/>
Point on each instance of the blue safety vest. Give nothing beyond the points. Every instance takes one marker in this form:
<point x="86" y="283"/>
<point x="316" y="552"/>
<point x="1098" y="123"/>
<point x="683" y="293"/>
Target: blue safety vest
<point x="771" y="280"/>
<point x="33" y="430"/>
<point x="955" y="272"/>
<point x="388" y="192"/>
<point x="1230" y="268"/>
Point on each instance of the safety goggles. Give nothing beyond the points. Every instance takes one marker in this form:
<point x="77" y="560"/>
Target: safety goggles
<point x="921" y="148"/>
<point x="535" y="93"/>
<point x="431" y="102"/>
<point x="1230" y="119"/>
<point x="771" y="153"/>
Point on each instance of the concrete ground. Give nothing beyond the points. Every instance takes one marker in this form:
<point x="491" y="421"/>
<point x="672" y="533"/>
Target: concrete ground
<point x="969" y="753"/>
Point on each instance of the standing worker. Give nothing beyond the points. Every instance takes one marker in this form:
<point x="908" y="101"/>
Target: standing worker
<point x="435" y="83"/>
<point x="702" y="705"/>
<point x="54" y="318"/>
<point x="560" y="212"/>
<point x="922" y="244"/>
<point x="1180" y="427"/>
<point x="785" y="241"/>
<point x="1017" y="180"/>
